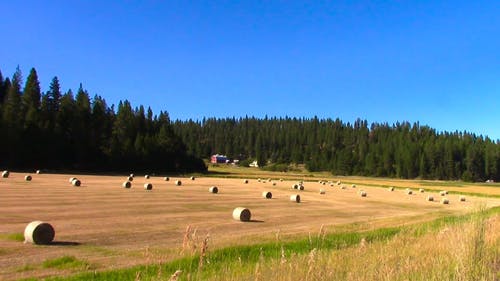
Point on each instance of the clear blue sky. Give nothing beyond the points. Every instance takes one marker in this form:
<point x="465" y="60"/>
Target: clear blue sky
<point x="436" y="62"/>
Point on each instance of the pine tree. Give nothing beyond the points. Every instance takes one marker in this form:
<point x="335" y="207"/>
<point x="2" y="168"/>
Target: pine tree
<point x="31" y="99"/>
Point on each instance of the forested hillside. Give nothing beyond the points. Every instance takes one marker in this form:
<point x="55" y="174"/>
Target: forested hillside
<point x="401" y="150"/>
<point x="53" y="130"/>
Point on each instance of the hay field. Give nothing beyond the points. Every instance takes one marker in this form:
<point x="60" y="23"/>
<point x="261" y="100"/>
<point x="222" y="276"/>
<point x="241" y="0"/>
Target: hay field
<point x="111" y="227"/>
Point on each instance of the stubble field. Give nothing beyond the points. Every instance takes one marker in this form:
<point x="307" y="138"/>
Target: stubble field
<point x="110" y="227"/>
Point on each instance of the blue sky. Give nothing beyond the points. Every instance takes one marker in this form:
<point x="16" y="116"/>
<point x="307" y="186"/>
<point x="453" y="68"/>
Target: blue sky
<point x="436" y="62"/>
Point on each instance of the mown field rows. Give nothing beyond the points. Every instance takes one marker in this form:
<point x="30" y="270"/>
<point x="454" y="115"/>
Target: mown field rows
<point x="110" y="227"/>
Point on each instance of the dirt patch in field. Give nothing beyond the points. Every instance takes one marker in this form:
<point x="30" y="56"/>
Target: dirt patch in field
<point x="109" y="226"/>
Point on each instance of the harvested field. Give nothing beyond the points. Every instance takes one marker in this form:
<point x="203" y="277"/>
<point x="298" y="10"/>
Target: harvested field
<point x="111" y="227"/>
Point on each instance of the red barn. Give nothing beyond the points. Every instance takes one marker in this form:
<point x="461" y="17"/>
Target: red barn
<point x="218" y="159"/>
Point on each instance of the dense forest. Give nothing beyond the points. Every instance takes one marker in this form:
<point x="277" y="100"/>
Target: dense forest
<point x="402" y="150"/>
<point x="53" y="130"/>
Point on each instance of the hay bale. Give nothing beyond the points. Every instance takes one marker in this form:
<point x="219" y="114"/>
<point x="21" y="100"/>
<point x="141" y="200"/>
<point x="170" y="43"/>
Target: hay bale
<point x="38" y="232"/>
<point x="295" y="198"/>
<point x="166" y="178"/>
<point x="442" y="193"/>
<point x="295" y="186"/>
<point x="28" y="178"/>
<point x="146" y="177"/>
<point x="192" y="178"/>
<point x="281" y="180"/>
<point x="76" y="182"/>
<point x="322" y="191"/>
<point x="362" y="193"/>
<point x="72" y="179"/>
<point x="409" y="192"/>
<point x="148" y="186"/>
<point x="353" y="186"/>
<point x="421" y="190"/>
<point x="339" y="182"/>
<point x="258" y="180"/>
<point x="430" y="198"/>
<point x="213" y="189"/>
<point x="242" y="214"/>
<point x="5" y="174"/>
<point x="462" y="198"/>
<point x="178" y="182"/>
<point x="267" y="195"/>
<point x="274" y="184"/>
<point x="127" y="184"/>
<point x="342" y="187"/>
<point x="445" y="201"/>
<point x="301" y="187"/>
<point x="131" y="175"/>
<point x="38" y="172"/>
<point x="391" y="188"/>
<point x="245" y="181"/>
<point x="130" y="179"/>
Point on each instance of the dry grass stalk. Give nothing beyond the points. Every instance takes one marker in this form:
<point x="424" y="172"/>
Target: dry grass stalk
<point x="176" y="275"/>
<point x="203" y="251"/>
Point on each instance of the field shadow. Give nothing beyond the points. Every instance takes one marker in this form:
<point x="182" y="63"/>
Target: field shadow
<point x="256" y="221"/>
<point x="64" y="243"/>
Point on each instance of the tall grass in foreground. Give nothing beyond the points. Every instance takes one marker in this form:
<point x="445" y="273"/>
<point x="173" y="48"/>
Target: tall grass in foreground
<point x="468" y="251"/>
<point x="463" y="247"/>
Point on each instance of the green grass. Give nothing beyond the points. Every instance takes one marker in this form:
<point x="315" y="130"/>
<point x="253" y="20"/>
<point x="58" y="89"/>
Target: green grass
<point x="65" y="262"/>
<point x="218" y="259"/>
<point x="13" y="237"/>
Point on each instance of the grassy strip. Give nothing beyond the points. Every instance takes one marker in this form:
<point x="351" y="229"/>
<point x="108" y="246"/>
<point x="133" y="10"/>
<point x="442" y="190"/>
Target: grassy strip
<point x="219" y="258"/>
<point x="477" y="194"/>
<point x="13" y="237"/>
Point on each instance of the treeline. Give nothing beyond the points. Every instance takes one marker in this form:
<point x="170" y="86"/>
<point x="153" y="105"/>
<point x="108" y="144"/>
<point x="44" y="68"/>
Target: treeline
<point x="52" y="130"/>
<point x="402" y="150"/>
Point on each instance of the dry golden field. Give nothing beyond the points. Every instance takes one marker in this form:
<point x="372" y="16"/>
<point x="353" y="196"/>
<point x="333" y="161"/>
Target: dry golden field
<point x="110" y="227"/>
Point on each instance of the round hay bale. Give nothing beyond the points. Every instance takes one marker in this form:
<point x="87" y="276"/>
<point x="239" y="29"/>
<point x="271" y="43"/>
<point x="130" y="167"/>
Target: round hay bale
<point x="462" y="198"/>
<point x="421" y="190"/>
<point x="445" y="201"/>
<point x="258" y="180"/>
<point x="130" y="179"/>
<point x="5" y="174"/>
<point x="213" y="189"/>
<point x="148" y="186"/>
<point x="430" y="198"/>
<point x="322" y="191"/>
<point x="38" y="172"/>
<point x="281" y="180"/>
<point x="38" y="232"/>
<point x="76" y="182"/>
<point x="442" y="193"/>
<point x="245" y="181"/>
<point x="362" y="193"/>
<point x="146" y="177"/>
<point x="166" y="178"/>
<point x="409" y="192"/>
<point x="28" y="178"/>
<point x="301" y="187"/>
<point x="267" y="195"/>
<point x="353" y="186"/>
<point x="391" y="188"/>
<point x="342" y="187"/>
<point x="178" y="182"/>
<point x="127" y="184"/>
<point x="242" y="214"/>
<point x="339" y="182"/>
<point x="192" y="178"/>
<point x="131" y="175"/>
<point x="71" y="179"/>
<point x="295" y="198"/>
<point x="295" y="186"/>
